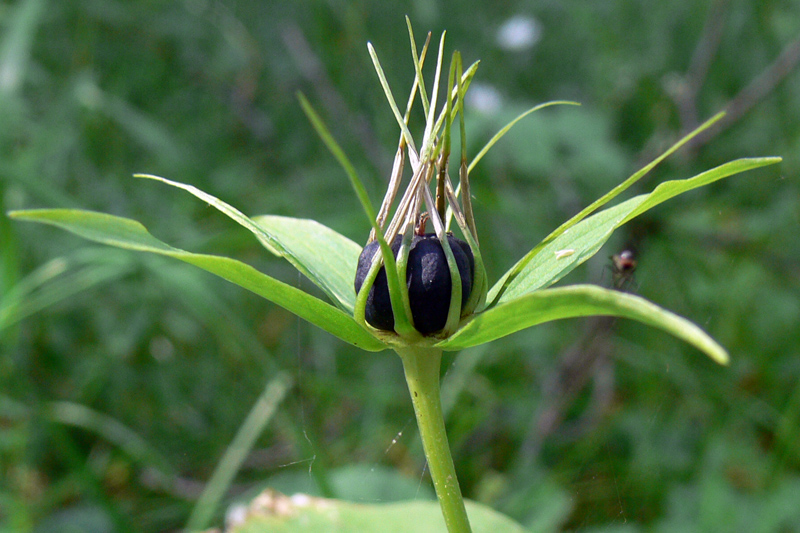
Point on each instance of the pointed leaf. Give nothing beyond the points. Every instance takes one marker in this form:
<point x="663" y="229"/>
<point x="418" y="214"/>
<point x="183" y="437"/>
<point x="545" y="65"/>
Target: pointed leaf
<point x="330" y="258"/>
<point x="129" y="234"/>
<point x="670" y="189"/>
<point x="600" y="202"/>
<point x="557" y="258"/>
<point x="574" y="301"/>
<point x="283" y="243"/>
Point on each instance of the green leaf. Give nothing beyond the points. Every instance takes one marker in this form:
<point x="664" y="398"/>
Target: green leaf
<point x="670" y="189"/>
<point x="329" y="257"/>
<point x="275" y="513"/>
<point x="558" y="257"/>
<point x="295" y="240"/>
<point x="600" y="202"/>
<point x="129" y="234"/>
<point x="574" y="301"/>
<point x="375" y="483"/>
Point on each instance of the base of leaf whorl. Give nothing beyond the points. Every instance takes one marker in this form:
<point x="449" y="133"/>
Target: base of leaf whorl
<point x="427" y="278"/>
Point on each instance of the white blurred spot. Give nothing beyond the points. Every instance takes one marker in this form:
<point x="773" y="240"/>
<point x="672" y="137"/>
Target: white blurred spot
<point x="235" y="515"/>
<point x="518" y="33"/>
<point x="564" y="253"/>
<point x="483" y="98"/>
<point x="301" y="500"/>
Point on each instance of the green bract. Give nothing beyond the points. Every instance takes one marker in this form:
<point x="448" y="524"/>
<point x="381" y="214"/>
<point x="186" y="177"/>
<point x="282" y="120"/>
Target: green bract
<point x="521" y="298"/>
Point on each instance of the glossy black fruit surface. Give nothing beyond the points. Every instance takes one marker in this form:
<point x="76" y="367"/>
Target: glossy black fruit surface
<point x="427" y="278"/>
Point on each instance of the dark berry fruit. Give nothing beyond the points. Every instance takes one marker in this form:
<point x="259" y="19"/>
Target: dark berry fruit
<point x="378" y="312"/>
<point x="427" y="278"/>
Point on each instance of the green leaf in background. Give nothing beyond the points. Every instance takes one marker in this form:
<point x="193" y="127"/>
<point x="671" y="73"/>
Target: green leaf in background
<point x="355" y="482"/>
<point x="15" y="47"/>
<point x="60" y="279"/>
<point x="272" y="512"/>
<point x="230" y="463"/>
<point x="129" y="234"/>
<point x="560" y="256"/>
<point x="321" y="254"/>
<point x="574" y="301"/>
<point x="330" y="258"/>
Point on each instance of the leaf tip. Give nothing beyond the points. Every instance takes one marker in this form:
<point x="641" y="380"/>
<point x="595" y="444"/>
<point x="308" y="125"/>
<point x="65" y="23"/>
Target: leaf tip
<point x="24" y="214"/>
<point x="141" y="175"/>
<point x="13" y="214"/>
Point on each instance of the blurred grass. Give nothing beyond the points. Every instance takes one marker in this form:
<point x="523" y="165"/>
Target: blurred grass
<point x="203" y="92"/>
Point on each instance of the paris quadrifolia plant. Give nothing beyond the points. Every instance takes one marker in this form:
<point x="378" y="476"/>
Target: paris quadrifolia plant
<point x="419" y="286"/>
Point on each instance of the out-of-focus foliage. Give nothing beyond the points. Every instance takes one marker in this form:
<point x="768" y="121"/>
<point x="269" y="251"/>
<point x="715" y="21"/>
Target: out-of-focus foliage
<point x="573" y="426"/>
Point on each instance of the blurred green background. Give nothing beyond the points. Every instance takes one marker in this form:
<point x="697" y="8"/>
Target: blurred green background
<point x="124" y="377"/>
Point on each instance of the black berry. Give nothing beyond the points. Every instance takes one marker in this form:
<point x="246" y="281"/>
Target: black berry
<point x="427" y="278"/>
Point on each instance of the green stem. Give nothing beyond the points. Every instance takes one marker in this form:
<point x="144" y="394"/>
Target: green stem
<point x="422" y="366"/>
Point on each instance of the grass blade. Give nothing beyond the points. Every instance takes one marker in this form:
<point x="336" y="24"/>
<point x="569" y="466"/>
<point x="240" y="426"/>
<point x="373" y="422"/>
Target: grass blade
<point x="237" y="452"/>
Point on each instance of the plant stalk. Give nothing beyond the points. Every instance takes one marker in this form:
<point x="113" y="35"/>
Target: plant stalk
<point x="422" y="366"/>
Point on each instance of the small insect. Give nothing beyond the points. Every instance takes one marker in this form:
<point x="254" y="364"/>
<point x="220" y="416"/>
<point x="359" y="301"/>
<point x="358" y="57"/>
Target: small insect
<point x="623" y="265"/>
<point x="564" y="253"/>
<point x="624" y="262"/>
